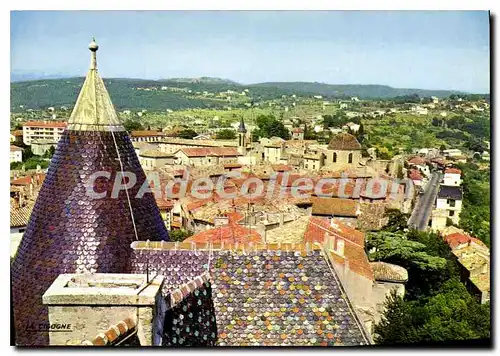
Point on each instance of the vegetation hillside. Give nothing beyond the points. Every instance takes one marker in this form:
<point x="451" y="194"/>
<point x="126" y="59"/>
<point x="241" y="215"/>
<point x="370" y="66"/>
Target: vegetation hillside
<point x="185" y="93"/>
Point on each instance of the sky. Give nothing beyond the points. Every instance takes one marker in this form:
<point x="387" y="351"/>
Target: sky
<point x="403" y="49"/>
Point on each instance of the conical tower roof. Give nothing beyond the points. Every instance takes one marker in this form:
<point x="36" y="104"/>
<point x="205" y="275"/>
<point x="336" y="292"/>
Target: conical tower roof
<point x="242" y="127"/>
<point x="72" y="230"/>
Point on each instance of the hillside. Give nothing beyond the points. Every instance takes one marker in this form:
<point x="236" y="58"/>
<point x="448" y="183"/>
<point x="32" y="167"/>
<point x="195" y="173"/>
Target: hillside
<point x="351" y="90"/>
<point x="184" y="93"/>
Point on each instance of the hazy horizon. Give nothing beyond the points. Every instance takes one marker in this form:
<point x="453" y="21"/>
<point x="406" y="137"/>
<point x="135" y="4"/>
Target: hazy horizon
<point x="436" y="50"/>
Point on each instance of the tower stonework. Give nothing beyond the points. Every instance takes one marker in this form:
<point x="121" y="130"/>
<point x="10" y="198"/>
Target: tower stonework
<point x="72" y="230"/>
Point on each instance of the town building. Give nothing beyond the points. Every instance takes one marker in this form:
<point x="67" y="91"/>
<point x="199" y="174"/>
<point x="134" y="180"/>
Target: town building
<point x="155" y="159"/>
<point x="16" y="136"/>
<point x="50" y="131"/>
<point x="146" y="136"/>
<point x="16" y="154"/>
<point x="449" y="198"/>
<point x="452" y="177"/>
<point x="297" y="133"/>
<point x="473" y="257"/>
<point x="343" y="151"/>
<point x="203" y="156"/>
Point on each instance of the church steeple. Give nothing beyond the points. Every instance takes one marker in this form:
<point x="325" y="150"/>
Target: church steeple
<point x="242" y="137"/>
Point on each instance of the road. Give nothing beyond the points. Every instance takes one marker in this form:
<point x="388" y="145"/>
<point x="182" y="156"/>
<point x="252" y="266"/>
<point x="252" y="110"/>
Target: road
<point x="422" y="212"/>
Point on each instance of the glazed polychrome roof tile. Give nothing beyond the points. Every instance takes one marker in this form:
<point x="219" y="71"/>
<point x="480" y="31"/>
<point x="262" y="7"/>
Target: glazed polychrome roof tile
<point x="266" y="297"/>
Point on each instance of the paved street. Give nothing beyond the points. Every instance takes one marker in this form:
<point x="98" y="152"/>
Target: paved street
<point x="422" y="211"/>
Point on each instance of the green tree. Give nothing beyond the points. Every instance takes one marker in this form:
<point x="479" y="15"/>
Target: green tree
<point x="397" y="220"/>
<point x="187" y="134"/>
<point x="269" y="126"/>
<point x="226" y="134"/>
<point x="450" y="314"/>
<point x="179" y="235"/>
<point x="132" y="125"/>
<point x="49" y="153"/>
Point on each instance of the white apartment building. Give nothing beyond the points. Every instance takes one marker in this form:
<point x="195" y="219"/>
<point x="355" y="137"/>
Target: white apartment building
<point x="16" y="154"/>
<point x="452" y="177"/>
<point x="449" y="199"/>
<point x="48" y="131"/>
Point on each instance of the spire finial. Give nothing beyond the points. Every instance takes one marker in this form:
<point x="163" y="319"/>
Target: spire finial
<point x="93" y="45"/>
<point x="93" y="48"/>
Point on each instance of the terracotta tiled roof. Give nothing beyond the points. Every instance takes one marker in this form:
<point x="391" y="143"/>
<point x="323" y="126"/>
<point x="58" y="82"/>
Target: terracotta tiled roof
<point x="232" y="165"/>
<point x="387" y="272"/>
<point x="15" y="148"/>
<point x="21" y="181"/>
<point x="415" y="174"/>
<point x="354" y="251"/>
<point x="20" y="216"/>
<point x="164" y="203"/>
<point x="114" y="334"/>
<point x="210" y="151"/>
<point x="155" y="154"/>
<point x="297" y="130"/>
<point x="17" y="133"/>
<point x="232" y="233"/>
<point x="334" y="207"/>
<point x="45" y="124"/>
<point x="344" y="142"/>
<point x="419" y="161"/>
<point x="281" y="168"/>
<point x="453" y="170"/>
<point x="456" y="239"/>
<point x="146" y="133"/>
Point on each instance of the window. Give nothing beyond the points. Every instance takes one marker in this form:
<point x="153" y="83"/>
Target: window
<point x="334" y="157"/>
<point x="452" y="213"/>
<point x="452" y="203"/>
<point x="349" y="160"/>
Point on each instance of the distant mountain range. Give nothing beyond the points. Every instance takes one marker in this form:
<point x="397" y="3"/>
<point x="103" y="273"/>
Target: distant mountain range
<point x="51" y="90"/>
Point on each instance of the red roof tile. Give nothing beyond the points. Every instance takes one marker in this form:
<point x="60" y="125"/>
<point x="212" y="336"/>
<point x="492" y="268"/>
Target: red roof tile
<point x="233" y="232"/>
<point x="45" y="124"/>
<point x="419" y="161"/>
<point x="415" y="174"/>
<point x="210" y="151"/>
<point x="453" y="170"/>
<point x="146" y="133"/>
<point x="354" y="251"/>
<point x="15" y="148"/>
<point x="456" y="239"/>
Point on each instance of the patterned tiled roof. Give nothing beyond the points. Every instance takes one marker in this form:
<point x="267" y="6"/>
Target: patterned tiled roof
<point x="20" y="216"/>
<point x="264" y="296"/>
